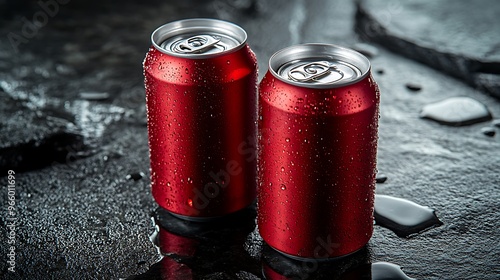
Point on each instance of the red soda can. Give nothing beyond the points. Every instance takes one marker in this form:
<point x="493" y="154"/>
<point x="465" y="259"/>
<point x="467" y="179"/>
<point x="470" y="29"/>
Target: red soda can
<point x="318" y="123"/>
<point x="201" y="99"/>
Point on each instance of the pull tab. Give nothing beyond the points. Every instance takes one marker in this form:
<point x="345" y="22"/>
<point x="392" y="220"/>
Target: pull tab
<point x="196" y="44"/>
<point x="310" y="71"/>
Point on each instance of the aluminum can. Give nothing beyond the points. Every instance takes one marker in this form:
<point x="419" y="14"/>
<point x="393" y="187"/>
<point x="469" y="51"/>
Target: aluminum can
<point x="318" y="123"/>
<point x="201" y="100"/>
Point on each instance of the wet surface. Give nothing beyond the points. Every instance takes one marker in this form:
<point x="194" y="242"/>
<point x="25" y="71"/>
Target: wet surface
<point x="190" y="249"/>
<point x="402" y="216"/>
<point x="185" y="250"/>
<point x="73" y="126"/>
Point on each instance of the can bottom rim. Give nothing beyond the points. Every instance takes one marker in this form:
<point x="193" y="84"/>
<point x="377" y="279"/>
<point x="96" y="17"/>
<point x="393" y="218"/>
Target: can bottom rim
<point x="306" y="259"/>
<point x="195" y="219"/>
<point x="210" y="219"/>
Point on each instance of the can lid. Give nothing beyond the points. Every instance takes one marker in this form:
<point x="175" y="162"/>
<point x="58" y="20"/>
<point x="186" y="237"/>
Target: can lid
<point x="198" y="38"/>
<point x="319" y="65"/>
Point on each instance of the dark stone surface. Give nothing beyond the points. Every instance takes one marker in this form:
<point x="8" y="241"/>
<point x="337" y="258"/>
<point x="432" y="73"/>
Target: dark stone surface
<point x="80" y="217"/>
<point x="458" y="37"/>
<point x="30" y="138"/>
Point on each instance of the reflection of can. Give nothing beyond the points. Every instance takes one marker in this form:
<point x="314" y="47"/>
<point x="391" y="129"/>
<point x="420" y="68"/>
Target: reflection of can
<point x="276" y="266"/>
<point x="317" y="151"/>
<point x="201" y="98"/>
<point x="192" y="249"/>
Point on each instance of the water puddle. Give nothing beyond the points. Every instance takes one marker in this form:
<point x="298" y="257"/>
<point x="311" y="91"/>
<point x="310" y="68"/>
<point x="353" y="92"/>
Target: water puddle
<point x="456" y="111"/>
<point x="387" y="271"/>
<point x="404" y="217"/>
<point x="377" y="271"/>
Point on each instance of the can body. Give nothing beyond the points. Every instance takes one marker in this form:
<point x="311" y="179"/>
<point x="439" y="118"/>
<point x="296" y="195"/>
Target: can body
<point x="201" y="110"/>
<point x="317" y="155"/>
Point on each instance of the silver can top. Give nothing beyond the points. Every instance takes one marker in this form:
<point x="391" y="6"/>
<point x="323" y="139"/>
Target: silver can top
<point x="319" y="66"/>
<point x="198" y="38"/>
